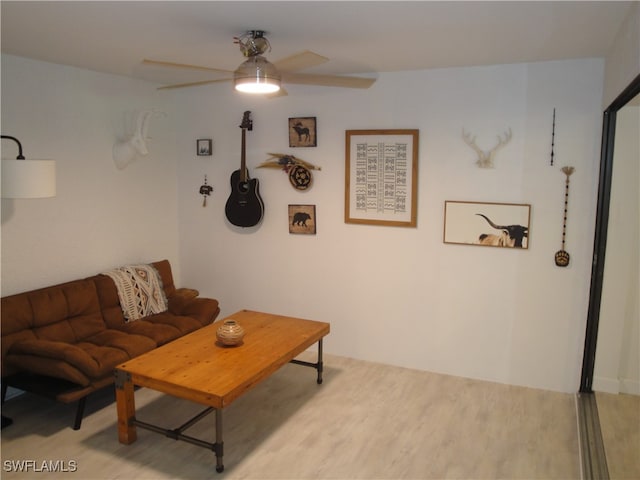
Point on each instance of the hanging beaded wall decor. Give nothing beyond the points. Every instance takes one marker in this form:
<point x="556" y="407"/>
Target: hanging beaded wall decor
<point x="553" y="135"/>
<point x="562" y="256"/>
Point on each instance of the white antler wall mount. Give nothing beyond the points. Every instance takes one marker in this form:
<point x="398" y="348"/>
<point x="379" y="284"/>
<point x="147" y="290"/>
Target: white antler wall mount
<point x="485" y="158"/>
<point x="134" y="145"/>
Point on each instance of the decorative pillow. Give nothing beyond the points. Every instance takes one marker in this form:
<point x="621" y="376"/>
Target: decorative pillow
<point x="140" y="291"/>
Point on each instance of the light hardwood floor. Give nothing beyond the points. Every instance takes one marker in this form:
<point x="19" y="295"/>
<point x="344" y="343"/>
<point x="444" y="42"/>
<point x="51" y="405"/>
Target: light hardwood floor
<point x="620" y="424"/>
<point x="367" y="421"/>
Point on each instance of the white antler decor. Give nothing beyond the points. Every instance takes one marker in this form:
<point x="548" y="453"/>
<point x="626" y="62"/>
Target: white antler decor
<point x="485" y="159"/>
<point x="126" y="151"/>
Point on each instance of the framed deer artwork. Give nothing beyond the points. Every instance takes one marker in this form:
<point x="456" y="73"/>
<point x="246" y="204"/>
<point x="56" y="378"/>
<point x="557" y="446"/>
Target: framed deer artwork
<point x="487" y="224"/>
<point x="303" y="132"/>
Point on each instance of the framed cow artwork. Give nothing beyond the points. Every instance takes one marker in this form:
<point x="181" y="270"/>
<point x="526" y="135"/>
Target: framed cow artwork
<point x="487" y="224"/>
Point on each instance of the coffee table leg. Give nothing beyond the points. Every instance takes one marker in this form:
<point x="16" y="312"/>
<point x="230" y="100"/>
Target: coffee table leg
<point x="219" y="446"/>
<point x="320" y="366"/>
<point x="126" y="407"/>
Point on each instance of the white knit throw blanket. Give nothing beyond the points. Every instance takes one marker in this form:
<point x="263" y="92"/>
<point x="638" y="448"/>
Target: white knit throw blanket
<point x="139" y="290"/>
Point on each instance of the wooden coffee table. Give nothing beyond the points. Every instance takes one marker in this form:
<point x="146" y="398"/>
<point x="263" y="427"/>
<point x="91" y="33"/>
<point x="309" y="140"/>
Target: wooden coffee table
<point x="197" y="368"/>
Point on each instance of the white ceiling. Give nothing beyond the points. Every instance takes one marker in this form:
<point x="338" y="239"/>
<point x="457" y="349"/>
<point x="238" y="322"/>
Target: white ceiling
<point x="358" y="37"/>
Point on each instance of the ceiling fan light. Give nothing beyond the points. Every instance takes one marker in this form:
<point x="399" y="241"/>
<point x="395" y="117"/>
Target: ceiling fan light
<point x="256" y="75"/>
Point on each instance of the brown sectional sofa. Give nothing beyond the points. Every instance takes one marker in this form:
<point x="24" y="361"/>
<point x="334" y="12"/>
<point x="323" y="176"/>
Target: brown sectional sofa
<point x="64" y="341"/>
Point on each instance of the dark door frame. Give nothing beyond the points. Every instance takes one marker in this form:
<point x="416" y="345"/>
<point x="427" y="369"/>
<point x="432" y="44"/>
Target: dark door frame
<point x="600" y="239"/>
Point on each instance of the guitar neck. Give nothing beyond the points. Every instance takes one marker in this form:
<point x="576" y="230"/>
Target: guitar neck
<point x="243" y="160"/>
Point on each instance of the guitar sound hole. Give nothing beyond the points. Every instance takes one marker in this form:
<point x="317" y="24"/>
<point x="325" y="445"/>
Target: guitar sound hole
<point x="243" y="187"/>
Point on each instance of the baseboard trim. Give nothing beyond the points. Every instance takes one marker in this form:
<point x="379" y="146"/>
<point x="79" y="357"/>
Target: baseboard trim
<point x="592" y="454"/>
<point x="629" y="386"/>
<point x="616" y="385"/>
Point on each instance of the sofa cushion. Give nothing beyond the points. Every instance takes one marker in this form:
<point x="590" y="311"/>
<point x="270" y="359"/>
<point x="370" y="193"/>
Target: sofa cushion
<point x="67" y="312"/>
<point x="17" y="315"/>
<point x="163" y="328"/>
<point x="49" y="367"/>
<point x="94" y="357"/>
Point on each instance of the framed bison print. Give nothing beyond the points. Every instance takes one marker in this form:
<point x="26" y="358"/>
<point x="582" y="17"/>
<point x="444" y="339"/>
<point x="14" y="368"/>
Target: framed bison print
<point x="487" y="224"/>
<point x="302" y="219"/>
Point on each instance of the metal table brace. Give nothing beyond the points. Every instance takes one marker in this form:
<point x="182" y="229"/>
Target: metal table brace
<point x="218" y="446"/>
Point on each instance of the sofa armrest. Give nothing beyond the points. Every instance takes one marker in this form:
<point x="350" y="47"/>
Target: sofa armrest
<point x="187" y="293"/>
<point x="95" y="357"/>
<point x="180" y="299"/>
<point x="48" y="349"/>
<point x="204" y="310"/>
<point x="47" y="357"/>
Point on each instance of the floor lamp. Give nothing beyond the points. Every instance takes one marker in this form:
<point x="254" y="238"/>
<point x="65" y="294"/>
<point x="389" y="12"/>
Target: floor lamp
<point x="23" y="178"/>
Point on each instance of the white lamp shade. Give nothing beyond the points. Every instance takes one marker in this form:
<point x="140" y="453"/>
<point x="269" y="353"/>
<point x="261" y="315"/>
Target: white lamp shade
<point x="28" y="178"/>
<point x="256" y="75"/>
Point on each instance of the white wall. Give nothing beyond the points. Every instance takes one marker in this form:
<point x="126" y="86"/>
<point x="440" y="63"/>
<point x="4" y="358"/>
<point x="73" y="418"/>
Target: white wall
<point x="399" y="295"/>
<point x="101" y="217"/>
<point x="623" y="61"/>
<point x="617" y="367"/>
<point x="392" y="295"/>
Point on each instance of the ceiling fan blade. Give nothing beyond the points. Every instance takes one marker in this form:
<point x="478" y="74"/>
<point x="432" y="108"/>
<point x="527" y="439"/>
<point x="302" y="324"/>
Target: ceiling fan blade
<point x="300" y="61"/>
<point x="327" y="80"/>
<point x="161" y="63"/>
<point x="193" y="84"/>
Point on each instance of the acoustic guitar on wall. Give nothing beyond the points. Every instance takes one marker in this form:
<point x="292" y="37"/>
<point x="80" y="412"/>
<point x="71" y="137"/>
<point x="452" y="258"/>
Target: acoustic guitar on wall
<point x="244" y="206"/>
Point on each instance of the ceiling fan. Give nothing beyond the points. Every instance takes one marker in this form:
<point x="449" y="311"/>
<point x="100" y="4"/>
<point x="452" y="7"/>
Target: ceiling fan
<point x="258" y="75"/>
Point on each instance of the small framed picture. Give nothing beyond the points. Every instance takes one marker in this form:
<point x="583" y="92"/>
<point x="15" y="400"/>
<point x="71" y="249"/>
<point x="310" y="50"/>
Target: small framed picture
<point x="302" y="132"/>
<point x="302" y="219"/>
<point x="203" y="146"/>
